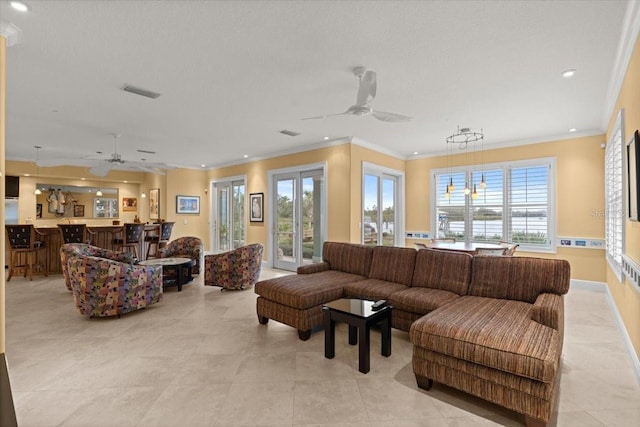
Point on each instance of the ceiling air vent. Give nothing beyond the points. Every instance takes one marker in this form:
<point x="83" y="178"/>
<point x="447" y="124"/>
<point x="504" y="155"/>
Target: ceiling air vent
<point x="146" y="151"/>
<point x="140" y="91"/>
<point x="289" y="132"/>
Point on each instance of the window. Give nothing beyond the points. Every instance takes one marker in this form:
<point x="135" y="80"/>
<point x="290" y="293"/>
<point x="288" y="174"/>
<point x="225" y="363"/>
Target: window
<point x="105" y="208"/>
<point x="382" y="208"/>
<point x="517" y="204"/>
<point x="614" y="211"/>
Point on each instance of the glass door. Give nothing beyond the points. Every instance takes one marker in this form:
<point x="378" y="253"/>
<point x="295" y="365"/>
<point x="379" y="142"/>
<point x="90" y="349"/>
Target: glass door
<point x="229" y="219"/>
<point x="297" y="225"/>
<point x="381" y="211"/>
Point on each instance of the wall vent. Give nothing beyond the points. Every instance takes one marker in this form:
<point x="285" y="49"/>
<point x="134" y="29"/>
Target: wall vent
<point x="139" y="91"/>
<point x="289" y="132"/>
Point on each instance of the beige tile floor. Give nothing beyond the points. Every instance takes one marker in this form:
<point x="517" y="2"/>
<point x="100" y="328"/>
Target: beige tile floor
<point x="200" y="358"/>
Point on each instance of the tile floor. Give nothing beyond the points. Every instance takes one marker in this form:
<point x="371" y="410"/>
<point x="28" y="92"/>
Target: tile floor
<point x="200" y="358"/>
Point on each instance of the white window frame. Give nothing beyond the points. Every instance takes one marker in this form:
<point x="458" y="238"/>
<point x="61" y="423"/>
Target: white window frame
<point x="380" y="172"/>
<point x="615" y="191"/>
<point x="550" y="162"/>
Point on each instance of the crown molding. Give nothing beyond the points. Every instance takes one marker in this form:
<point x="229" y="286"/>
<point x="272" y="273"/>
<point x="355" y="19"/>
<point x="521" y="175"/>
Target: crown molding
<point x="11" y="32"/>
<point x="628" y="39"/>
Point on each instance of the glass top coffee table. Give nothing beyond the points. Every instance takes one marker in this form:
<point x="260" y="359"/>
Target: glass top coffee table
<point x="360" y="316"/>
<point x="175" y="270"/>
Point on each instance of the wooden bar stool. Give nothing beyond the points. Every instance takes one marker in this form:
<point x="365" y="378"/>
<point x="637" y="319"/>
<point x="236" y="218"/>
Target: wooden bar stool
<point x="75" y="233"/>
<point x="25" y="243"/>
<point x="159" y="240"/>
<point x="130" y="239"/>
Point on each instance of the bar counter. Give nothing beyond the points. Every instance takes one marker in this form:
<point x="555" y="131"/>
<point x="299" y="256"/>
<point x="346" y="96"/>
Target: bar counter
<point x="99" y="235"/>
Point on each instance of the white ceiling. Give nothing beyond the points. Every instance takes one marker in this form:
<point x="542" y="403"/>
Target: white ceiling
<point x="233" y="74"/>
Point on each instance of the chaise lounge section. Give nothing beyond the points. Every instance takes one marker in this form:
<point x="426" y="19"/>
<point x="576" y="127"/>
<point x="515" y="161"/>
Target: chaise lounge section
<point x="490" y="326"/>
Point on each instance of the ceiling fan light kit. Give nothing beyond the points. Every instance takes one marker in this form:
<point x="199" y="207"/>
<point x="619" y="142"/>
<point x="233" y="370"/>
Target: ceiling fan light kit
<point x="367" y="89"/>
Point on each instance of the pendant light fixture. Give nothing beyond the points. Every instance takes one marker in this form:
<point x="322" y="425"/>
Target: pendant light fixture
<point x="462" y="138"/>
<point x="98" y="193"/>
<point x="37" y="147"/>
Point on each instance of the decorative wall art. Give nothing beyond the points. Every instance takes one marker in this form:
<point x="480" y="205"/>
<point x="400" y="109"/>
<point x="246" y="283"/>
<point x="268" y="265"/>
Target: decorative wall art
<point x="154" y="203"/>
<point x="187" y="204"/>
<point x="257" y="207"/>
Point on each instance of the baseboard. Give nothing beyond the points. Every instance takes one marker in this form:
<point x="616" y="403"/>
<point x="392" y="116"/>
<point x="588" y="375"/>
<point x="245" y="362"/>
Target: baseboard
<point x="602" y="287"/>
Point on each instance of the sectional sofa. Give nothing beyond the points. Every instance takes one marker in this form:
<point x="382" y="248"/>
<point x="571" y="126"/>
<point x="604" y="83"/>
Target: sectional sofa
<point x="490" y="326"/>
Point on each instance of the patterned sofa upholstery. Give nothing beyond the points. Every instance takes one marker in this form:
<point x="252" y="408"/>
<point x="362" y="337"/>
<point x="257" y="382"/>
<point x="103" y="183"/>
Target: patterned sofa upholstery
<point x="236" y="269"/>
<point x="185" y="247"/>
<point x="82" y="249"/>
<point x="489" y="326"/>
<point x="103" y="287"/>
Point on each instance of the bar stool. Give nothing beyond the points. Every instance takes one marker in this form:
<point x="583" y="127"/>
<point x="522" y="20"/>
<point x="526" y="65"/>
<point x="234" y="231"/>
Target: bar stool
<point x="131" y="238"/>
<point x="75" y="233"/>
<point x="22" y="241"/>
<point x="159" y="240"/>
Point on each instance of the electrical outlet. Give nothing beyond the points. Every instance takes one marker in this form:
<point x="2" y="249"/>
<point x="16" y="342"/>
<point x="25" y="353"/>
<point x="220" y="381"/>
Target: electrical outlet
<point x="185" y="221"/>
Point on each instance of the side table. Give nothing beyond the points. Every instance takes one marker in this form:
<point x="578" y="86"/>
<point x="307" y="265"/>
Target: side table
<point x="360" y="317"/>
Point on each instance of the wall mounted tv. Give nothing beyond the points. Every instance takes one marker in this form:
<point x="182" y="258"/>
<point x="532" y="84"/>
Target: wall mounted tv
<point x="11" y="187"/>
<point x="633" y="176"/>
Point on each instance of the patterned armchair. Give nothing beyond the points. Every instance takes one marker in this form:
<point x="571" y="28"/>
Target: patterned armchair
<point x="186" y="247"/>
<point x="102" y="287"/>
<point x="235" y="269"/>
<point x="69" y="250"/>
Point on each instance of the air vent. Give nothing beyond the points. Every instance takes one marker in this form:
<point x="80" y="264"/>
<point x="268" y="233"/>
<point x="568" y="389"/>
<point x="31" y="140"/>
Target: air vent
<point x="146" y="151"/>
<point x="140" y="91"/>
<point x="289" y="132"/>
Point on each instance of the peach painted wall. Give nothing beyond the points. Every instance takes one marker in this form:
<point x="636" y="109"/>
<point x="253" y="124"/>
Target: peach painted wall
<point x="337" y="160"/>
<point x="627" y="299"/>
<point x="3" y="91"/>
<point x="579" y="195"/>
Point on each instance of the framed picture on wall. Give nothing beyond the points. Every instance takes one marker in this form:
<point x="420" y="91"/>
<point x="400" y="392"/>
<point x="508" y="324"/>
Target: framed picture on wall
<point x="129" y="204"/>
<point x="78" y="210"/>
<point x="187" y="204"/>
<point x="257" y="207"/>
<point x="38" y="210"/>
<point x="154" y="203"/>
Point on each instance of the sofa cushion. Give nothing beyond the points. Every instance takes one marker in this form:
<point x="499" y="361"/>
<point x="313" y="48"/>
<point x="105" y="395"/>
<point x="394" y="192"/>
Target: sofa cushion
<point x="348" y="257"/>
<point x="496" y="333"/>
<point x="305" y="290"/>
<point x="446" y="270"/>
<point x="420" y="300"/>
<point x="393" y="264"/>
<point x="518" y="278"/>
<point x="371" y="289"/>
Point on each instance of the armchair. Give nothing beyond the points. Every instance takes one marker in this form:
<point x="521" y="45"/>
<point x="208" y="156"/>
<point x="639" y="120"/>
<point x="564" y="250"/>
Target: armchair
<point x="69" y="250"/>
<point x="103" y="287"/>
<point x="235" y="269"/>
<point x="187" y="247"/>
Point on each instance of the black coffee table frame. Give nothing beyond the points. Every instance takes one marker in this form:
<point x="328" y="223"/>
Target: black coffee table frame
<point x="359" y="332"/>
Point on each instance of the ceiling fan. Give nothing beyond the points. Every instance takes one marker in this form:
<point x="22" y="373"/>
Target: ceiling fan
<point x="366" y="93"/>
<point x="115" y="161"/>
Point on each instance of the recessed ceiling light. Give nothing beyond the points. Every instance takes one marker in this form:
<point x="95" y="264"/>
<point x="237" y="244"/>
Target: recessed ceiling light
<point x="326" y="137"/>
<point x="569" y="73"/>
<point x="20" y="5"/>
<point x="27" y="174"/>
<point x="573" y="130"/>
<point x="82" y="179"/>
<point x="125" y="181"/>
<point x="415" y="153"/>
<point x="203" y="165"/>
<point x="245" y="156"/>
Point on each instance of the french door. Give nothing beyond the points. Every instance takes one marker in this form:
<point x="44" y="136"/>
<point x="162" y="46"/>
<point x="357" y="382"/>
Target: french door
<point x="229" y="217"/>
<point x="297" y="213"/>
<point x="383" y="208"/>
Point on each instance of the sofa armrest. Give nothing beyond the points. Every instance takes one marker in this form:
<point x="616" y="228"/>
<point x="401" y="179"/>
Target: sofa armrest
<point x="313" y="268"/>
<point x="548" y="310"/>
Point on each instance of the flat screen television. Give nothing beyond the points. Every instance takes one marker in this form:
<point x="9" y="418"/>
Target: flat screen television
<point x="11" y="187"/>
<point x="633" y="176"/>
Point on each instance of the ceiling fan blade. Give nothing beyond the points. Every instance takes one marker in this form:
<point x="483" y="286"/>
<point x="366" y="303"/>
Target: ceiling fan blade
<point x="367" y="89"/>
<point x="324" y="117"/>
<point x="53" y="162"/>
<point x="390" y="117"/>
<point x="101" y="170"/>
